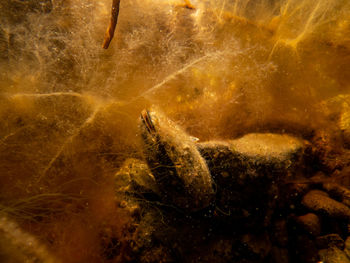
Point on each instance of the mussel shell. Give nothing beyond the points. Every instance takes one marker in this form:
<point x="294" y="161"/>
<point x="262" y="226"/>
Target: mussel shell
<point x="180" y="171"/>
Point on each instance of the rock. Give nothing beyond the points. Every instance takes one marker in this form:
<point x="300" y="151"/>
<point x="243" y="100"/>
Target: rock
<point x="255" y="161"/>
<point x="319" y="202"/>
<point x="333" y="255"/>
<point x="331" y="240"/>
<point x="347" y="247"/>
<point x="311" y="223"/>
<point x="135" y="177"/>
<point x="338" y="191"/>
<point x="181" y="173"/>
<point x="281" y="148"/>
<point x="323" y="151"/>
<point x="319" y="192"/>
<point x="344" y="122"/>
<point x="281" y="153"/>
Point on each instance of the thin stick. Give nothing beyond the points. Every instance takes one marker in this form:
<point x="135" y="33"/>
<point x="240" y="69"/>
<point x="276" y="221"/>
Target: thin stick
<point x="112" y="24"/>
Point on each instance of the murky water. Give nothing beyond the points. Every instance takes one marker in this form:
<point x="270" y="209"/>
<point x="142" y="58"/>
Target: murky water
<point x="70" y="109"/>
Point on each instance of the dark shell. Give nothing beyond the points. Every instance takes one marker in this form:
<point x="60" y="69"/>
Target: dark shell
<point x="180" y="171"/>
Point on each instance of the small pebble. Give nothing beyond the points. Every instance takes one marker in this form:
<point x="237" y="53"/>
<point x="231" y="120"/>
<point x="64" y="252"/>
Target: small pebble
<point x="319" y="202"/>
<point x="338" y="191"/>
<point x="331" y="240"/>
<point x="333" y="255"/>
<point x="347" y="247"/>
<point x="311" y="223"/>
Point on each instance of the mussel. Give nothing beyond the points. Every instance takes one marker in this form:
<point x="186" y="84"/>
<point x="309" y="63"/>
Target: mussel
<point x="180" y="171"/>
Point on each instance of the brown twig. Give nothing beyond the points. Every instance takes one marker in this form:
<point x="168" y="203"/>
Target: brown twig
<point x="189" y="5"/>
<point x="112" y="24"/>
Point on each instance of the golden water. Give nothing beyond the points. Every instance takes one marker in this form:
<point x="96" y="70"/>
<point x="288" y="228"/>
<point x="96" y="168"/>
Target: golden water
<point x="69" y="109"/>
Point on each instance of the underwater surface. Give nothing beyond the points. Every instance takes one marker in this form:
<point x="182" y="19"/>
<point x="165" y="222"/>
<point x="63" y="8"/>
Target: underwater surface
<point x="241" y="153"/>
